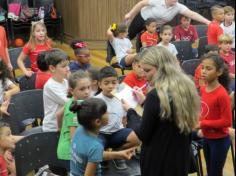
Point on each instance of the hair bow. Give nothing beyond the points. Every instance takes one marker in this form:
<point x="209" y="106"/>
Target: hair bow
<point x="80" y="45"/>
<point x="113" y="26"/>
<point x="36" y="22"/>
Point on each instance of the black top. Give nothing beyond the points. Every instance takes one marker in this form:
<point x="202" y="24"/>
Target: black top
<point x="165" y="151"/>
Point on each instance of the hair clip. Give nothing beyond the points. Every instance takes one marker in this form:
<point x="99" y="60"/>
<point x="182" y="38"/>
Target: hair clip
<point x="36" y="22"/>
<point x="80" y="45"/>
<point x="113" y="26"/>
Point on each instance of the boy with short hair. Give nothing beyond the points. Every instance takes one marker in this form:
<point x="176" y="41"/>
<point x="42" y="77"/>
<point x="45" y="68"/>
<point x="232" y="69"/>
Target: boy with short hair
<point x="114" y="135"/>
<point x="228" y="25"/>
<point x="214" y="30"/>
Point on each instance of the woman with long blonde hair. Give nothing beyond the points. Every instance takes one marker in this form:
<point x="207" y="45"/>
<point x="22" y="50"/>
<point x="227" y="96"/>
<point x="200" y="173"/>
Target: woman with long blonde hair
<point x="171" y="111"/>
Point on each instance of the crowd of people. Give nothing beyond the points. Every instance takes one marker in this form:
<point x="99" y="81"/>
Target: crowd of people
<point x="95" y="126"/>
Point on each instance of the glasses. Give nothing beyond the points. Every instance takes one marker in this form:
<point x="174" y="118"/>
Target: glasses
<point x="84" y="55"/>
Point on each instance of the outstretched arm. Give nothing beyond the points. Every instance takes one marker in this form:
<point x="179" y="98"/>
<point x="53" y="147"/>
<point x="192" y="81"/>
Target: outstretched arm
<point x="195" y="16"/>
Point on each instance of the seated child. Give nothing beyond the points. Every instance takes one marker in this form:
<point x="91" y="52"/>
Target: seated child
<point x="150" y="36"/>
<point x="94" y="76"/>
<point x="114" y="135"/>
<point x="136" y="78"/>
<point x="166" y="35"/>
<point x="87" y="150"/>
<point x="121" y="44"/>
<point x="82" y="56"/>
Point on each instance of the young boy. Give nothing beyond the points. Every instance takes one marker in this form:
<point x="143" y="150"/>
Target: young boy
<point x="136" y="78"/>
<point x="56" y="88"/>
<point x="228" y="25"/>
<point x="114" y="135"/>
<point x="214" y="30"/>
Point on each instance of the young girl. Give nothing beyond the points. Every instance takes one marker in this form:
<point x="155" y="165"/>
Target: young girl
<point x="87" y="150"/>
<point x="216" y="115"/>
<point x="79" y="89"/>
<point x="38" y="42"/>
<point x="150" y="36"/>
<point x="7" y="87"/>
<point x="117" y="35"/>
<point x="82" y="54"/>
<point x="94" y="76"/>
<point x="166" y="35"/>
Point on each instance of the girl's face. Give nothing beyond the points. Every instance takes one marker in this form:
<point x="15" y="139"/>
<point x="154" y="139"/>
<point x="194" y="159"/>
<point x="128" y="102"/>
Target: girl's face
<point x="209" y="72"/>
<point x="84" y="56"/>
<point x="137" y="68"/>
<point x="6" y="139"/>
<point x="166" y="36"/>
<point x="82" y="90"/>
<point x="229" y="17"/>
<point x="149" y="72"/>
<point x="152" y="27"/>
<point x="39" y="33"/>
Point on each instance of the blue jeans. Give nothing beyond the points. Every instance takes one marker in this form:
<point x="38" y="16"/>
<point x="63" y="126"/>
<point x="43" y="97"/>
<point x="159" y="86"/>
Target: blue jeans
<point x="215" y="152"/>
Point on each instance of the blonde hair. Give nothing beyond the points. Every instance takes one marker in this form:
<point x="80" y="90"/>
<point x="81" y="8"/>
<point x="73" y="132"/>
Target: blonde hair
<point x="173" y="85"/>
<point x="32" y="41"/>
<point x="229" y="9"/>
<point x="215" y="8"/>
<point x="225" y="38"/>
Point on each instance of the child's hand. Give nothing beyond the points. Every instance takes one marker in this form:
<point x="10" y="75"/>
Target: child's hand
<point x="10" y="162"/>
<point x="127" y="154"/>
<point x="138" y="94"/>
<point x="10" y="67"/>
<point x="28" y="73"/>
<point x="125" y="105"/>
<point x="4" y="107"/>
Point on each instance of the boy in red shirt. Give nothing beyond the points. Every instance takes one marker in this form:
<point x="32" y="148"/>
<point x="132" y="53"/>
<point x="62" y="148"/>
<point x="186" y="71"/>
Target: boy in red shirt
<point x="214" y="30"/>
<point x="150" y="36"/>
<point x="135" y="78"/>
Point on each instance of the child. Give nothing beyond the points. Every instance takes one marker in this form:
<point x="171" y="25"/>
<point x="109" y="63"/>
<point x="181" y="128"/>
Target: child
<point x="114" y="134"/>
<point x="82" y="54"/>
<point x="229" y="25"/>
<point x="166" y="35"/>
<point x="94" y="76"/>
<point x="38" y="42"/>
<point x="121" y="44"/>
<point x="43" y="74"/>
<point x="136" y="78"/>
<point x="150" y="36"/>
<point x="79" y="89"/>
<point x="55" y="89"/>
<point x="214" y="30"/>
<point x="4" y="48"/>
<point x="7" y="87"/>
<point x="87" y="150"/>
<point x="216" y="115"/>
<point x="225" y="45"/>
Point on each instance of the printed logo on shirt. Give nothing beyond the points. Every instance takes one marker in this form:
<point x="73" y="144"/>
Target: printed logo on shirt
<point x="204" y="109"/>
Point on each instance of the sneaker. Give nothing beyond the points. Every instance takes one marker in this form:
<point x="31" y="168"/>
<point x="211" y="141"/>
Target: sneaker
<point x="120" y="164"/>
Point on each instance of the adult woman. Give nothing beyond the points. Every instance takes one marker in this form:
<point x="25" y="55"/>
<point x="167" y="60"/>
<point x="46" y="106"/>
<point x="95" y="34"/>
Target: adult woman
<point x="171" y="111"/>
<point x="162" y="10"/>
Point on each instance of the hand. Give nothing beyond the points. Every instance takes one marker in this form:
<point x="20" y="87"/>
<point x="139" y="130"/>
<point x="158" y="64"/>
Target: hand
<point x="10" y="161"/>
<point x="138" y="94"/>
<point x="127" y="154"/>
<point x="127" y="18"/>
<point x="10" y="67"/>
<point x="6" y="96"/>
<point x="4" y="107"/>
<point x="125" y="105"/>
<point x="200" y="134"/>
<point x="28" y="73"/>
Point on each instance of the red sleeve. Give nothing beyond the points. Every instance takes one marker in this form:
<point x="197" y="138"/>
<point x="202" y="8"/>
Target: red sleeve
<point x="26" y="49"/>
<point x="5" y="45"/>
<point x="144" y="37"/>
<point x="197" y="75"/>
<point x="128" y="80"/>
<point x="177" y="33"/>
<point x="195" y="34"/>
<point x="3" y="167"/>
<point x="225" y="119"/>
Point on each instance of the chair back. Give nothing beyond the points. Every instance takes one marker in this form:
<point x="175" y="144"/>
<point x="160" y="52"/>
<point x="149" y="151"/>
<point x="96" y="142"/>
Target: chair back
<point x="184" y="49"/>
<point x="203" y="41"/>
<point x="27" y="83"/>
<point x="201" y="30"/>
<point x="189" y="66"/>
<point x="39" y="3"/>
<point x="35" y="151"/>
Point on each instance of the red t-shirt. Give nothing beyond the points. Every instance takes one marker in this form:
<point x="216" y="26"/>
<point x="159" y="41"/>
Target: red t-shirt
<point x="229" y="60"/>
<point x="3" y="167"/>
<point x="213" y="32"/>
<point x="188" y="35"/>
<point x="216" y="115"/>
<point x="149" y="39"/>
<point x="41" y="79"/>
<point x="33" y="54"/>
<point x="3" y="45"/>
<point x="132" y="80"/>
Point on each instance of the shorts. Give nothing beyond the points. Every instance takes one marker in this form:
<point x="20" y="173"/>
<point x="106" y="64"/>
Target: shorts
<point x="116" y="139"/>
<point x="123" y="63"/>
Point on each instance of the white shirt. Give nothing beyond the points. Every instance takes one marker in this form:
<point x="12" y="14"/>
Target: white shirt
<point x="121" y="46"/>
<point x="7" y="83"/>
<point x="116" y="113"/>
<point x="171" y="47"/>
<point x="230" y="30"/>
<point x="54" y="97"/>
<point x="157" y="9"/>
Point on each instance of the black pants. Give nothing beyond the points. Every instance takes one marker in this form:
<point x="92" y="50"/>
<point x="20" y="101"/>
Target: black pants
<point x="136" y="26"/>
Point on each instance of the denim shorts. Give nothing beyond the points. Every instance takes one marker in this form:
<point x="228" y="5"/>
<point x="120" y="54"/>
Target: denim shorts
<point x="116" y="139"/>
<point x="122" y="62"/>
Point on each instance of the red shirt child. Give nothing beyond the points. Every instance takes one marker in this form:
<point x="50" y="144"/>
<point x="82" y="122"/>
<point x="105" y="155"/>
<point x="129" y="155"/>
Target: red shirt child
<point x="149" y="39"/>
<point x="214" y="32"/>
<point x="3" y="167"/>
<point x="3" y="46"/>
<point x="229" y="59"/>
<point x="188" y="35"/>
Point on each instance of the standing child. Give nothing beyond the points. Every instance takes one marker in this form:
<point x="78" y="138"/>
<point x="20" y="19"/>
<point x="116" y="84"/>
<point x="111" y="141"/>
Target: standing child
<point x="216" y="115"/>
<point x="166" y="35"/>
<point x="87" y="150"/>
<point x="150" y="36"/>
<point x="37" y="43"/>
<point x="82" y="54"/>
<point x="214" y="30"/>
<point x="79" y="89"/>
<point x="229" y="25"/>
<point x="117" y="35"/>
<point x="4" y="48"/>
<point x="56" y="88"/>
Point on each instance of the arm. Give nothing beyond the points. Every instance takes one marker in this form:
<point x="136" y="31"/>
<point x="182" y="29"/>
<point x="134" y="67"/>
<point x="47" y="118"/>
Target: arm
<point x="110" y="35"/>
<point x="136" y="9"/>
<point x="123" y="154"/>
<point x="20" y="62"/>
<point x="195" y="16"/>
<point x="72" y="131"/>
<point x="59" y="116"/>
<point x="12" y="90"/>
<point x="90" y="169"/>
<point x="9" y="65"/>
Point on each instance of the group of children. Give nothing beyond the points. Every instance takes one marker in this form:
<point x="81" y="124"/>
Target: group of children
<point x="88" y="126"/>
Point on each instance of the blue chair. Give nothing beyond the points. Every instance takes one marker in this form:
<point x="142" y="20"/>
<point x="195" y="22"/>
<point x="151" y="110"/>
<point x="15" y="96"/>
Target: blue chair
<point x="201" y="30"/>
<point x="184" y="49"/>
<point x="189" y="66"/>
